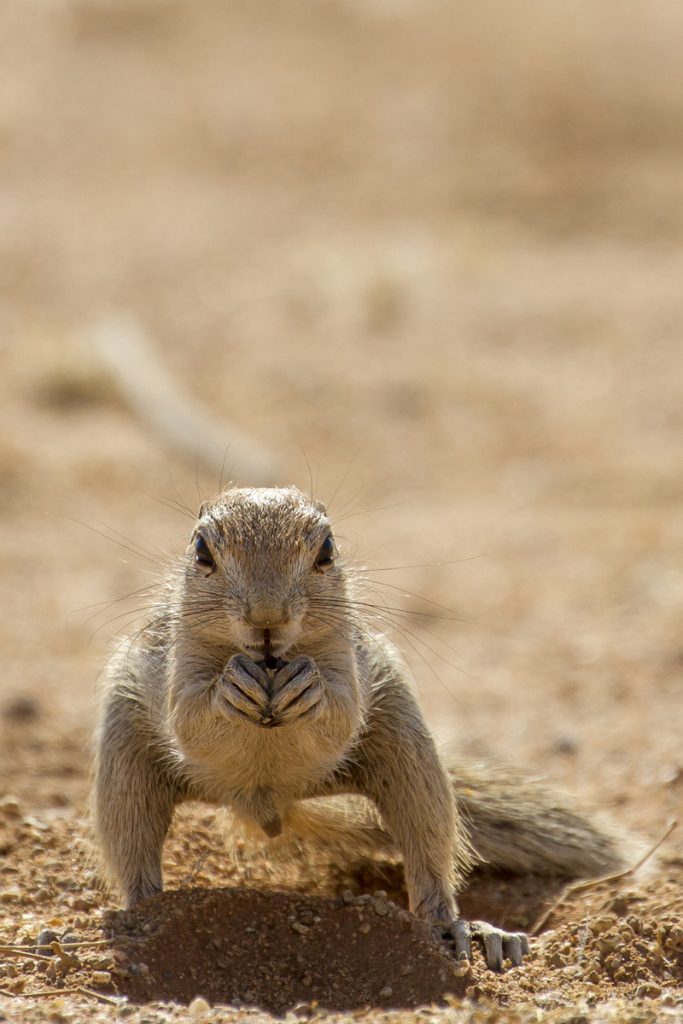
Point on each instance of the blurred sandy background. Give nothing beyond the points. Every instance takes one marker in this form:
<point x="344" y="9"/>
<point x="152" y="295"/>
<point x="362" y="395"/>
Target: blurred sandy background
<point x="435" y="246"/>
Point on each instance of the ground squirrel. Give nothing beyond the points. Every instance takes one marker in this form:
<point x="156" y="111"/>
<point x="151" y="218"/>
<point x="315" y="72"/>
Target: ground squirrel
<point x="258" y="686"/>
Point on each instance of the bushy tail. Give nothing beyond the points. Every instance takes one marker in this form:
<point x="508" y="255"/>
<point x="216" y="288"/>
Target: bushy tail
<point x="518" y="824"/>
<point x="515" y="823"/>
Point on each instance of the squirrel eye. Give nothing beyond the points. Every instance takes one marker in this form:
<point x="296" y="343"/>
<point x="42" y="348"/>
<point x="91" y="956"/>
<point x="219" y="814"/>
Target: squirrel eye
<point x="325" y="556"/>
<point x="202" y="556"/>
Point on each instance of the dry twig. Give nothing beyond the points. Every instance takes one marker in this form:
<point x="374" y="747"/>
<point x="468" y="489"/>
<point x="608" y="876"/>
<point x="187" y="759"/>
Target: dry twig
<point x="590" y="883"/>
<point x="23" y="951"/>
<point x="77" y="943"/>
<point x="57" y="992"/>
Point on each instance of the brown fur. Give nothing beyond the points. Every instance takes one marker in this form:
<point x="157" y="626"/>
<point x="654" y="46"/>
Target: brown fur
<point x="186" y="716"/>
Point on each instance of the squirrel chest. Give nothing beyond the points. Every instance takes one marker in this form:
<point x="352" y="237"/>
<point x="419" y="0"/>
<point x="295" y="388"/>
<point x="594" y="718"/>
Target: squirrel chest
<point x="258" y="772"/>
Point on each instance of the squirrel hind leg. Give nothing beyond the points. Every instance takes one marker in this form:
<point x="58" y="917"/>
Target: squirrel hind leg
<point x="348" y="825"/>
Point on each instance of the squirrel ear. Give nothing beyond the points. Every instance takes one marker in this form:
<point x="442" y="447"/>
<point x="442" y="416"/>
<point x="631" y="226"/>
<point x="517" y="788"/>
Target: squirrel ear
<point x="204" y="507"/>
<point x="319" y="507"/>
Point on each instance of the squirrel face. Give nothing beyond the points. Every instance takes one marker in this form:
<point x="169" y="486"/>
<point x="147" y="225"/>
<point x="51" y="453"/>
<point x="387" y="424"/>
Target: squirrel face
<point x="261" y="571"/>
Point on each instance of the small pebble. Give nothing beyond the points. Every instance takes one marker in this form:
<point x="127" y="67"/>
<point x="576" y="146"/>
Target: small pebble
<point x="137" y="970"/>
<point x="648" y="991"/>
<point x="45" y="938"/>
<point x="380" y="908"/>
<point x="199" y="1008"/>
<point x="10" y="807"/>
<point x="13" y="894"/>
<point x="609" y="942"/>
<point x="604" y="923"/>
<point x="386" y="992"/>
<point x="81" y="903"/>
<point x="35" y="823"/>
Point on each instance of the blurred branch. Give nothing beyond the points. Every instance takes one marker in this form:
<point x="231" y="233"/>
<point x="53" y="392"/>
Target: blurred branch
<point x="123" y="346"/>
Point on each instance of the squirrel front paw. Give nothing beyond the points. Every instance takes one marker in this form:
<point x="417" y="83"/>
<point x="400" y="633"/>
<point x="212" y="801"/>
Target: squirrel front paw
<point x="297" y="692"/>
<point x="242" y="691"/>
<point x="245" y="691"/>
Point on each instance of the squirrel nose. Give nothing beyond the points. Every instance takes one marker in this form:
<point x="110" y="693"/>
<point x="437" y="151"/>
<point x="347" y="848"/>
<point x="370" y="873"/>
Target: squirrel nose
<point x="266" y="616"/>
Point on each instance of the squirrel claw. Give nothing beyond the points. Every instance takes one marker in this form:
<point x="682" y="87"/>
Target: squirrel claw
<point x="242" y="690"/>
<point x="498" y="945"/>
<point x="298" y="691"/>
<point x="463" y="940"/>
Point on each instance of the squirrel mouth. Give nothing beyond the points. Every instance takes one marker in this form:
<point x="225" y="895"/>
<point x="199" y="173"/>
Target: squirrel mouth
<point x="269" y="660"/>
<point x="272" y="663"/>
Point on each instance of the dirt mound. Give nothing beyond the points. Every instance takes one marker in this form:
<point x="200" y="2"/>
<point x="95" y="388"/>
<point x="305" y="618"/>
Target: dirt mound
<point x="277" y="950"/>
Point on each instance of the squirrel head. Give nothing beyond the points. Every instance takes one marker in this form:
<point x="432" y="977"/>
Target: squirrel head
<point x="262" y="572"/>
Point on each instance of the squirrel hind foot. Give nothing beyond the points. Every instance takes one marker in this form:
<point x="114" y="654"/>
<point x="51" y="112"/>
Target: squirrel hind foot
<point x="497" y="944"/>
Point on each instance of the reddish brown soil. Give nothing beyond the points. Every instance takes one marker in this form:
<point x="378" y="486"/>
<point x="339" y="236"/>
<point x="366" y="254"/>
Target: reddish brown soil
<point x="275" y="951"/>
<point x="438" y="247"/>
<point x="299" y="932"/>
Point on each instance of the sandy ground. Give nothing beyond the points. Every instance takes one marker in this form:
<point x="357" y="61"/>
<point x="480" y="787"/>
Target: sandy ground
<point x="430" y="254"/>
